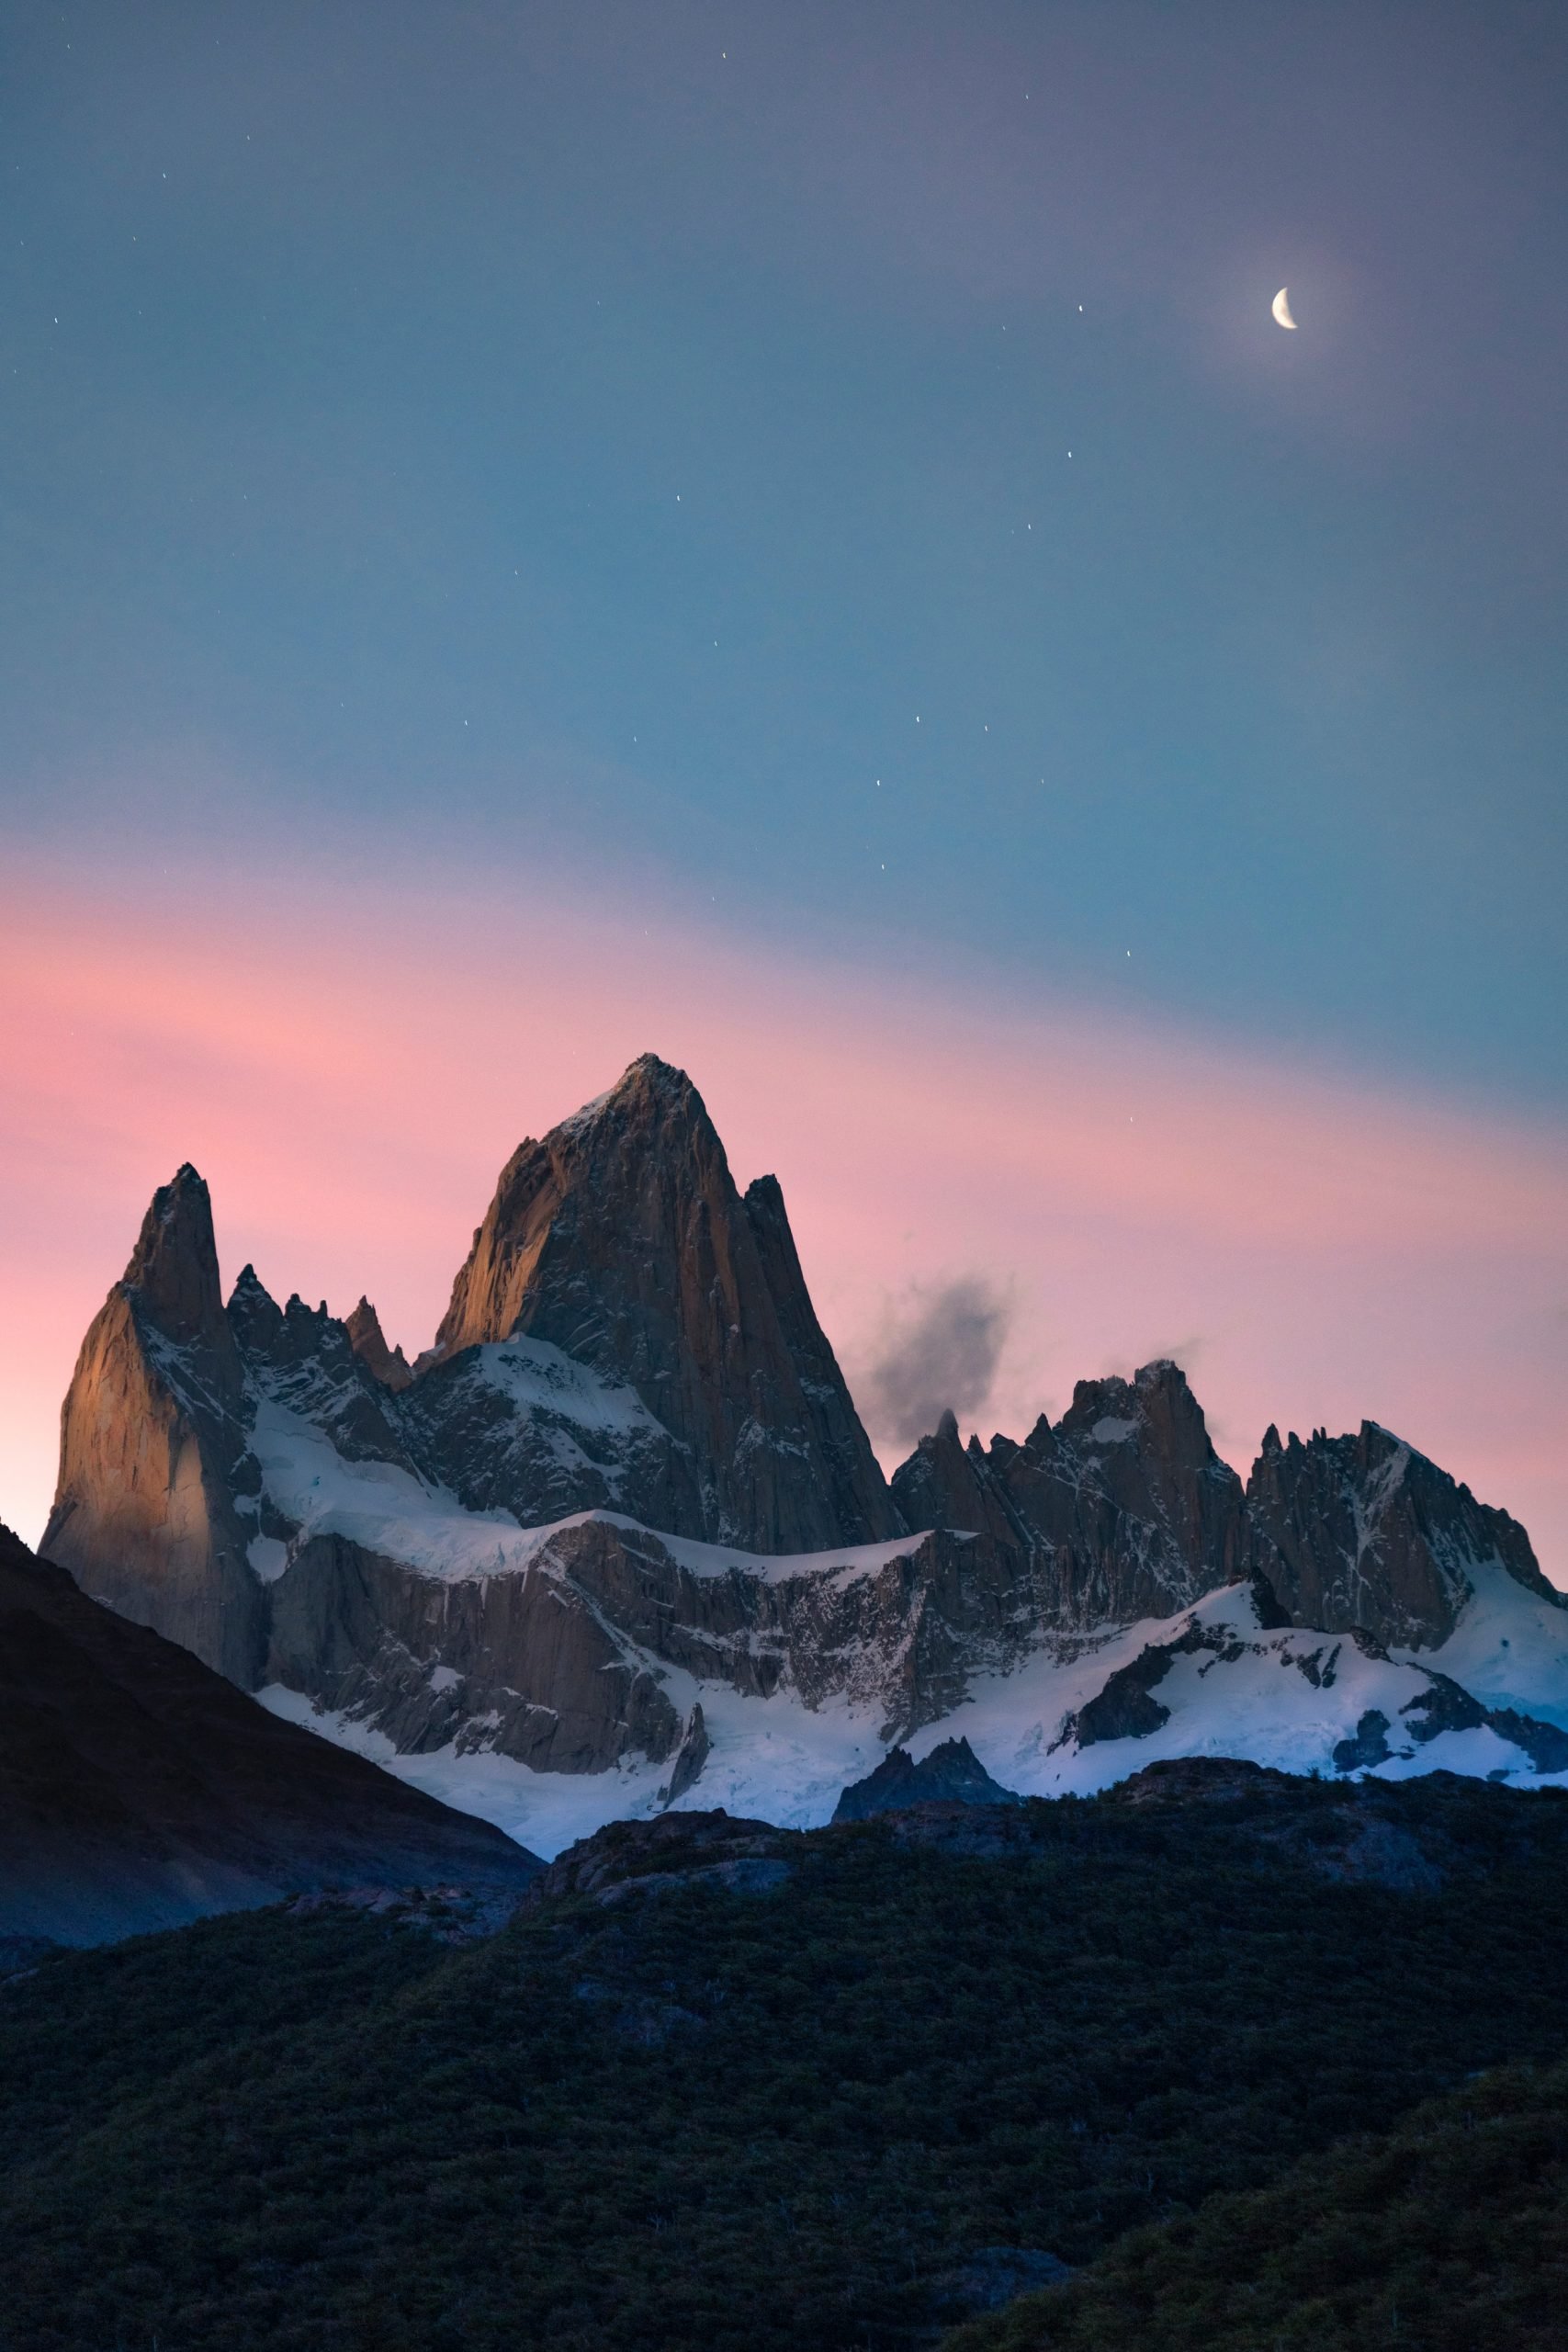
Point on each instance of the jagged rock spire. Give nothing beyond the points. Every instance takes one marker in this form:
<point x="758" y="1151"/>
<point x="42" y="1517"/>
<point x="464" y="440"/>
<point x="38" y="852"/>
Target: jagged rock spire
<point x="152" y="1438"/>
<point x="1363" y="1530"/>
<point x="174" y="1267"/>
<point x="369" y="1341"/>
<point x="1124" y="1499"/>
<point x="621" y="1240"/>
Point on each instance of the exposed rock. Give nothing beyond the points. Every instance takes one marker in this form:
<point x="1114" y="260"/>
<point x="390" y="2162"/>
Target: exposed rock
<point x="520" y="1426"/>
<point x="495" y="1551"/>
<point x="746" y="1874"/>
<point x="448" y="1915"/>
<point x="672" y="1849"/>
<point x="153" y="1447"/>
<point x="951" y="1774"/>
<point x="1199" y="1780"/>
<point x="366" y="1337"/>
<point x="558" y="1662"/>
<point x="526" y="1664"/>
<point x="303" y="1358"/>
<point x="1368" y="1746"/>
<point x="1123" y="1708"/>
<point x="1126" y="1499"/>
<point x="1444" y="1705"/>
<point x="1545" y="1744"/>
<point x="139" y="1789"/>
<point x="621" y="1240"/>
<point x="690" y="1758"/>
<point x="1365" y="1531"/>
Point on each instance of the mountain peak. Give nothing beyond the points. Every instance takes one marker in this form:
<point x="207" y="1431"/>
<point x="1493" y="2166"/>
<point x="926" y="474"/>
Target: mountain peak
<point x="174" y="1267"/>
<point x="1363" y="1530"/>
<point x="649" y="1075"/>
<point x="369" y="1341"/>
<point x="621" y="1240"/>
<point x="656" y="1086"/>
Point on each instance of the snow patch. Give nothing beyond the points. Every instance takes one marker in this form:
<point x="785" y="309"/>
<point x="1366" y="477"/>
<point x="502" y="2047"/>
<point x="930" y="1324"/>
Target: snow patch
<point x="404" y="1517"/>
<point x="539" y="1377"/>
<point x="1509" y="1647"/>
<point x="268" y="1556"/>
<point x="1250" y="1694"/>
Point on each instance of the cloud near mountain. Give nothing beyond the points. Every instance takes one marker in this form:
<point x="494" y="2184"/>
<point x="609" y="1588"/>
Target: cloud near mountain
<point x="938" y="1354"/>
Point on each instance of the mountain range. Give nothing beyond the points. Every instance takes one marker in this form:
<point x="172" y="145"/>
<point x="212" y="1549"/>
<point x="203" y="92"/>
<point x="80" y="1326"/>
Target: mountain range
<point x="618" y="1540"/>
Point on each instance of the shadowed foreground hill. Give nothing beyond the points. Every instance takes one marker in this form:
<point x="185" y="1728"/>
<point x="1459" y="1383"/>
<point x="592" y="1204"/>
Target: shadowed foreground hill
<point x="140" y="1790"/>
<point x="720" y="2086"/>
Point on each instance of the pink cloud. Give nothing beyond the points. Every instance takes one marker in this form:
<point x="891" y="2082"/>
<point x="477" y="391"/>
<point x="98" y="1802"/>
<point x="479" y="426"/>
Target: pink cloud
<point x="349" y="1064"/>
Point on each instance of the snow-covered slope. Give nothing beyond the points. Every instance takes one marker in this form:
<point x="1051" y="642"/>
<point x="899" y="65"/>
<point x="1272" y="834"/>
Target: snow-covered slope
<point x="1228" y="1685"/>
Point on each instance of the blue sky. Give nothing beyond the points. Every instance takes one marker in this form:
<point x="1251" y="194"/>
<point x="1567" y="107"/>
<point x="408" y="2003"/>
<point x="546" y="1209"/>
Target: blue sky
<point x="639" y="436"/>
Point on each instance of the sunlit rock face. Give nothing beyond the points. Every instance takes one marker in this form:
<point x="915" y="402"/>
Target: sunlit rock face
<point x="274" y="1488"/>
<point x="153" y="1447"/>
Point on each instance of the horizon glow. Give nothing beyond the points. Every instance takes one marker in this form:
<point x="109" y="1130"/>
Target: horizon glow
<point x="1313" y="1248"/>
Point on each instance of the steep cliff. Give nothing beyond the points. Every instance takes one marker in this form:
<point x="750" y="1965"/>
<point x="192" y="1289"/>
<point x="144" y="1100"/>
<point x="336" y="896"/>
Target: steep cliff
<point x="622" y="1241"/>
<point x="1124" y="1500"/>
<point x="1362" y="1531"/>
<point x="153" y="1447"/>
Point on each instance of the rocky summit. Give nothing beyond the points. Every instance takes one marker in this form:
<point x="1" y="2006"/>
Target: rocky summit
<point x="617" y="1540"/>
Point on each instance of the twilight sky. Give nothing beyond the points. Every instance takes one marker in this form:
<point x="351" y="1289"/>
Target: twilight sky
<point x="788" y="536"/>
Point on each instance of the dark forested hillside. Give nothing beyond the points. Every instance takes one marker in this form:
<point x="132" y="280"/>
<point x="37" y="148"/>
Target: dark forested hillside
<point x="718" y="2085"/>
<point x="1448" y="2233"/>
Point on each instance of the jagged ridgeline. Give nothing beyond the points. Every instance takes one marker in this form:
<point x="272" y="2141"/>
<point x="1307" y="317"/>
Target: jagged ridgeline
<point x="622" y="1520"/>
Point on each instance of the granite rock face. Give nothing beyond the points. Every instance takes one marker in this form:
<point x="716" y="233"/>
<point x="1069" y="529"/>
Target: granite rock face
<point x="366" y="1337"/>
<point x="153" y="1447"/>
<point x="621" y="1240"/>
<point x="1124" y="1503"/>
<point x="1363" y="1531"/>
<point x="560" y="1662"/>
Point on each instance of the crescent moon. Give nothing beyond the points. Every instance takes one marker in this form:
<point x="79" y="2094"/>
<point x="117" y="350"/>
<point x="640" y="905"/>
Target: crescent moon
<point x="1281" y="306"/>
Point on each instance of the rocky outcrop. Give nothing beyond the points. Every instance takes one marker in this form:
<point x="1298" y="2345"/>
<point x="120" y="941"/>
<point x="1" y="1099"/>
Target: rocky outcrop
<point x="530" y="1665"/>
<point x="621" y="1240"/>
<point x="366" y="1337"/>
<point x="1124" y="1500"/>
<point x="559" y="1661"/>
<point x="303" y="1359"/>
<point x="951" y="1774"/>
<point x="672" y="1851"/>
<point x="690" y="1756"/>
<point x="1362" y="1531"/>
<point x="139" y="1789"/>
<point x="153" y="1447"/>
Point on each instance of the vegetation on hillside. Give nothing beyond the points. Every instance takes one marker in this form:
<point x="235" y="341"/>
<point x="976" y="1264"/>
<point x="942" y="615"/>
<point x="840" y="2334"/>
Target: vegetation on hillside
<point x="713" y="2116"/>
<point x="1447" y="2235"/>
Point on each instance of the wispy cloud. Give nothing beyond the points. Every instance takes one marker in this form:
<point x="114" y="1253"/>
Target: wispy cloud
<point x="939" y="1353"/>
